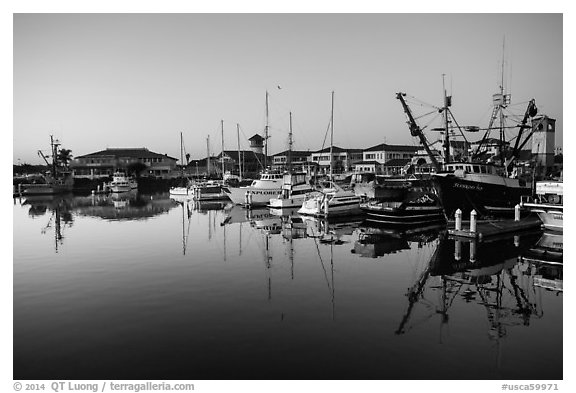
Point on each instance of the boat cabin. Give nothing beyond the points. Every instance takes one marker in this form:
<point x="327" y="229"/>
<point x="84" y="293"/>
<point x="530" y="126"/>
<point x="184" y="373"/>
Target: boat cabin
<point x="473" y="167"/>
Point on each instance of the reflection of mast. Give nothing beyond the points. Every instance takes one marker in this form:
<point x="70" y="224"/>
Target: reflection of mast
<point x="415" y="292"/>
<point x="268" y="261"/>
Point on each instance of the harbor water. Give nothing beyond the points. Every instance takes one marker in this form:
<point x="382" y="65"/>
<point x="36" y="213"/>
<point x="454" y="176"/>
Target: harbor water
<point x="141" y="286"/>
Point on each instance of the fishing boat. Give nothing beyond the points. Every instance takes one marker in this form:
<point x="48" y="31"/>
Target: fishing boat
<point x="333" y="200"/>
<point x="417" y="209"/>
<point x="488" y="188"/>
<point x="122" y="183"/>
<point x="259" y="192"/>
<point x="54" y="181"/>
<point x="548" y="203"/>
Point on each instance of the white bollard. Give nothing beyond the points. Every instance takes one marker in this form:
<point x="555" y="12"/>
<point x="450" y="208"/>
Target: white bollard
<point x="517" y="213"/>
<point x="458" y="217"/>
<point x="473" y="221"/>
<point x="325" y="206"/>
<point x="249" y="198"/>
<point x="457" y="250"/>
<point x="98" y="188"/>
<point x="246" y="197"/>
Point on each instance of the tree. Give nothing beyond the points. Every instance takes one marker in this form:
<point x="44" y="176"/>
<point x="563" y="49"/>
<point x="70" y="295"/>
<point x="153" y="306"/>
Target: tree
<point x="64" y="157"/>
<point x="136" y="168"/>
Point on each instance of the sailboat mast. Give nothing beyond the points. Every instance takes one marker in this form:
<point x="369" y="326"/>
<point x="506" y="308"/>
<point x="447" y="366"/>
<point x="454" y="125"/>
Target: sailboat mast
<point x="332" y="137"/>
<point x="208" y="155"/>
<point x="266" y="134"/>
<point x="502" y="136"/>
<point x="290" y="146"/>
<point x="222" y="155"/>
<point x="239" y="160"/>
<point x="182" y="154"/>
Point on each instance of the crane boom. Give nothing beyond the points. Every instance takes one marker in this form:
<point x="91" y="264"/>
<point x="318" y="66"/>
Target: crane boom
<point x="415" y="130"/>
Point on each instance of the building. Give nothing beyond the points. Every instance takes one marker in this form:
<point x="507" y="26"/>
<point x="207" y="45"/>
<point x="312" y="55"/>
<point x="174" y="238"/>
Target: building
<point x="543" y="141"/>
<point x="105" y="162"/>
<point x="343" y="159"/>
<point x="299" y="159"/>
<point x="252" y="162"/>
<point x="383" y="152"/>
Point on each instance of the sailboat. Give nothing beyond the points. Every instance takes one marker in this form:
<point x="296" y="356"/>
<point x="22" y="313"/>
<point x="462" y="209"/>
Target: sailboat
<point x="488" y="188"/>
<point x="182" y="190"/>
<point x="333" y="200"/>
<point x="211" y="190"/>
<point x="295" y="185"/>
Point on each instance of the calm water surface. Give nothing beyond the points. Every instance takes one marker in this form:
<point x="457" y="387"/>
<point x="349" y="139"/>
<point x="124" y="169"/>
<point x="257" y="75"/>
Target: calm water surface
<point x="145" y="287"/>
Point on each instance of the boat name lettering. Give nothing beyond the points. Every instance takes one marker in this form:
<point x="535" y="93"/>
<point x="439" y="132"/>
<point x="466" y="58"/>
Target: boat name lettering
<point x="468" y="186"/>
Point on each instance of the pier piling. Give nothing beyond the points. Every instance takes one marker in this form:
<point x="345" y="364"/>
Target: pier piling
<point x="473" y="221"/>
<point x="458" y="217"/>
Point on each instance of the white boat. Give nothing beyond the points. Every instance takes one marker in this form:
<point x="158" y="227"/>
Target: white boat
<point x="295" y="189"/>
<point x="548" y="204"/>
<point x="259" y="192"/>
<point x="122" y="183"/>
<point x="333" y="200"/>
<point x="330" y="202"/>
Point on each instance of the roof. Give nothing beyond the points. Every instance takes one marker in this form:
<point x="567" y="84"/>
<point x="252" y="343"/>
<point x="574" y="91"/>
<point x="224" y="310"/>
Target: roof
<point x="295" y="153"/>
<point x="337" y="149"/>
<point x="367" y="163"/>
<point x="397" y="162"/>
<point x="256" y="137"/>
<point x="136" y="152"/>
<point x="246" y="155"/>
<point x="386" y="147"/>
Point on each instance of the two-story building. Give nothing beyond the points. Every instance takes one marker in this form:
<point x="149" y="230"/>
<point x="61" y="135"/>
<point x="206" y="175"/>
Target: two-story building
<point x="299" y="159"/>
<point x="105" y="162"/>
<point x="342" y="159"/>
<point x="383" y="152"/>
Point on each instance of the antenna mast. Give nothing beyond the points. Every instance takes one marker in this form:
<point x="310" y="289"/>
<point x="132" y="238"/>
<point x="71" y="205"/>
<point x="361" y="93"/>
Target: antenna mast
<point x="331" y="136"/>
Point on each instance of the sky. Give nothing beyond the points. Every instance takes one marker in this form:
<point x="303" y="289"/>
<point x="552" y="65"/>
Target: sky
<point x="139" y="80"/>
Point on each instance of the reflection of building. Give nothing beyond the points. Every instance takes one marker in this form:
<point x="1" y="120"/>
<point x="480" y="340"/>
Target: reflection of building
<point x="105" y="162"/>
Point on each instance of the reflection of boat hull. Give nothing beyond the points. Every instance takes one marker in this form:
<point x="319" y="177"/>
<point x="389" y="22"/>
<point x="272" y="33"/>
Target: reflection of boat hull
<point x="496" y="195"/>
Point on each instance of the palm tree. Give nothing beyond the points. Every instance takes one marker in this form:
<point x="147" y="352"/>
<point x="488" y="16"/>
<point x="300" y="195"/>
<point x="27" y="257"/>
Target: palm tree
<point x="64" y="157"/>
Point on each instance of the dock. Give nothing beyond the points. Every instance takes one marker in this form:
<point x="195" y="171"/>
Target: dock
<point x="491" y="228"/>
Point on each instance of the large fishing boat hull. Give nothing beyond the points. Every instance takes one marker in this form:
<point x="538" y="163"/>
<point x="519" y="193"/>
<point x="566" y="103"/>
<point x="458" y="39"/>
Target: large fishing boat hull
<point x="498" y="195"/>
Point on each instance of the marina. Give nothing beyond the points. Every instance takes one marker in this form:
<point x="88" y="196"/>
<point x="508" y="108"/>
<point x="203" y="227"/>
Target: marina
<point x="194" y="289"/>
<point x="257" y="197"/>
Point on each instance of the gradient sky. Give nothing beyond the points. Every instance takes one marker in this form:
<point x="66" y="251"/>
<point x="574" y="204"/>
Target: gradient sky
<point x="138" y="80"/>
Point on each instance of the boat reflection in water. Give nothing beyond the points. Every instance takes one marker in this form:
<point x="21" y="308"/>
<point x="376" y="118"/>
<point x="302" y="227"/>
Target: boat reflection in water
<point x="489" y="275"/>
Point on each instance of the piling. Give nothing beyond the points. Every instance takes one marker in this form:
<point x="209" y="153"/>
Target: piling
<point x="517" y="213"/>
<point x="458" y="217"/>
<point x="457" y="250"/>
<point x="472" y="251"/>
<point x="473" y="221"/>
<point x="325" y="206"/>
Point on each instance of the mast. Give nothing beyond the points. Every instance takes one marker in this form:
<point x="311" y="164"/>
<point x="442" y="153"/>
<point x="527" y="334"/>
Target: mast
<point x="208" y="155"/>
<point x="290" y="146"/>
<point x="446" y="120"/>
<point x="502" y="136"/>
<point x="331" y="136"/>
<point x="415" y="130"/>
<point x="222" y="155"/>
<point x="182" y="154"/>
<point x="239" y="160"/>
<point x="266" y="134"/>
<point x="54" y="147"/>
